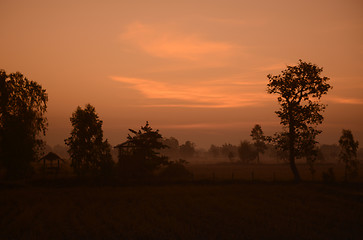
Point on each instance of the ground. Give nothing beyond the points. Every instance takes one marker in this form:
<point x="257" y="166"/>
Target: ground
<point x="199" y="210"/>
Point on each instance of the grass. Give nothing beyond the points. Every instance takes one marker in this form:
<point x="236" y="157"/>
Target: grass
<point x="212" y="206"/>
<point x="182" y="211"/>
<point x="265" y="172"/>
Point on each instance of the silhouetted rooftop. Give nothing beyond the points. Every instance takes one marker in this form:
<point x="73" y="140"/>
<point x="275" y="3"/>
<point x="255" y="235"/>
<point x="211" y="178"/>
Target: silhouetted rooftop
<point x="51" y="156"/>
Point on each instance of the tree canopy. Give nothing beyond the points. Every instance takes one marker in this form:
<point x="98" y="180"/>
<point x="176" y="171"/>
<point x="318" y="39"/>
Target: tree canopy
<point x="143" y="156"/>
<point x="258" y="140"/>
<point x="299" y="89"/>
<point x="172" y="148"/>
<point x="348" y="153"/>
<point x="22" y="122"/>
<point x="246" y="152"/>
<point x="187" y="150"/>
<point x="87" y="149"/>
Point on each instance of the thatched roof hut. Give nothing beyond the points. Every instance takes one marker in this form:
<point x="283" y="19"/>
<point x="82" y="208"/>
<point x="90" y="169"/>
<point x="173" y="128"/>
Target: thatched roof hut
<point x="50" y="158"/>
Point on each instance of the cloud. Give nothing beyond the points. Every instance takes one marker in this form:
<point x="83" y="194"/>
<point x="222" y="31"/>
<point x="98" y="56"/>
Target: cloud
<point x="229" y="125"/>
<point x="165" y="42"/>
<point x="207" y="94"/>
<point x="342" y="100"/>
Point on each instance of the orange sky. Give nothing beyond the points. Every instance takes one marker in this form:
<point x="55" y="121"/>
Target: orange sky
<point x="196" y="70"/>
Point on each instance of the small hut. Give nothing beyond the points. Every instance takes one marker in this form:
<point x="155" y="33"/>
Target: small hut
<point x="125" y="149"/>
<point x="51" y="161"/>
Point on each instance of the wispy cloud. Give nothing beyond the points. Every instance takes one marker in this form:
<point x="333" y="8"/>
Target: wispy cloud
<point x="166" y="42"/>
<point x="218" y="125"/>
<point x="342" y="100"/>
<point x="197" y="95"/>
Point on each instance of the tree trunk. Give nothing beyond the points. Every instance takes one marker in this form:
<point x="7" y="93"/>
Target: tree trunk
<point x="292" y="153"/>
<point x="3" y="110"/>
<point x="294" y="168"/>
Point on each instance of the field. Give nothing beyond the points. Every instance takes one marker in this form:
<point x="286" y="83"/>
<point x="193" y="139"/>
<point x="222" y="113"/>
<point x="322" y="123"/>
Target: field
<point x="233" y="211"/>
<point x="265" y="172"/>
<point x="210" y="207"/>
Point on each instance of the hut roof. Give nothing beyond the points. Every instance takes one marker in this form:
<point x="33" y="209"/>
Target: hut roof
<point x="126" y="144"/>
<point x="51" y="156"/>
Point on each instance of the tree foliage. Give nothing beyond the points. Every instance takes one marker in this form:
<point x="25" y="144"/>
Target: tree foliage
<point x="309" y="149"/>
<point x="176" y="171"/>
<point x="144" y="155"/>
<point x="230" y="151"/>
<point x="258" y="140"/>
<point x="22" y="122"/>
<point x="348" y="154"/>
<point x="187" y="150"/>
<point x="246" y="152"/>
<point x="299" y="89"/>
<point x="87" y="149"/>
<point x="214" y="151"/>
<point x="172" y="148"/>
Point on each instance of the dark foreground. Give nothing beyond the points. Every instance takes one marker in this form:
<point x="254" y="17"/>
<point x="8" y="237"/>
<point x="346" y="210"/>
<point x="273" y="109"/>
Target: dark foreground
<point x="182" y="211"/>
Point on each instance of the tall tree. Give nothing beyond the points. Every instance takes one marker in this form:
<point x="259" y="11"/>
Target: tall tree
<point x="87" y="149"/>
<point x="22" y="122"/>
<point x="258" y="140"/>
<point x="348" y="153"/>
<point x="299" y="89"/>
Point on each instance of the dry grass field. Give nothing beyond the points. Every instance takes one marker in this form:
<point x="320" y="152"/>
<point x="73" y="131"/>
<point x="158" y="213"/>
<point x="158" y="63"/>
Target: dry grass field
<point x="265" y="172"/>
<point x="224" y="201"/>
<point x="199" y="210"/>
<point x="244" y="172"/>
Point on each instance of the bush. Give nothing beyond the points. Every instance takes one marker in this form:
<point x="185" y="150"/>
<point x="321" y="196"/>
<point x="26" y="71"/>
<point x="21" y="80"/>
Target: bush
<point x="176" y="171"/>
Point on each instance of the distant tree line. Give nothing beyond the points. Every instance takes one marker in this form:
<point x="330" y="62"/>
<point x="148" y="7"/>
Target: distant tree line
<point x="246" y="152"/>
<point x="139" y="157"/>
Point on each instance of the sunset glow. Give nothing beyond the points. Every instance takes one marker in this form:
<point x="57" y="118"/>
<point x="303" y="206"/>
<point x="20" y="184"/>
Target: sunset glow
<point x="166" y="43"/>
<point x="201" y="95"/>
<point x="195" y="70"/>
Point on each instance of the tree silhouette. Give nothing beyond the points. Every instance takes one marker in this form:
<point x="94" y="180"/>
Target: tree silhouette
<point x="22" y="121"/>
<point x="176" y="170"/>
<point x="259" y="140"/>
<point x="229" y="151"/>
<point x="187" y="150"/>
<point x="144" y="152"/>
<point x="246" y="152"/>
<point x="88" y="151"/>
<point x="299" y="89"/>
<point x="309" y="149"/>
<point x="172" y="149"/>
<point x="348" y="154"/>
<point x="214" y="150"/>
